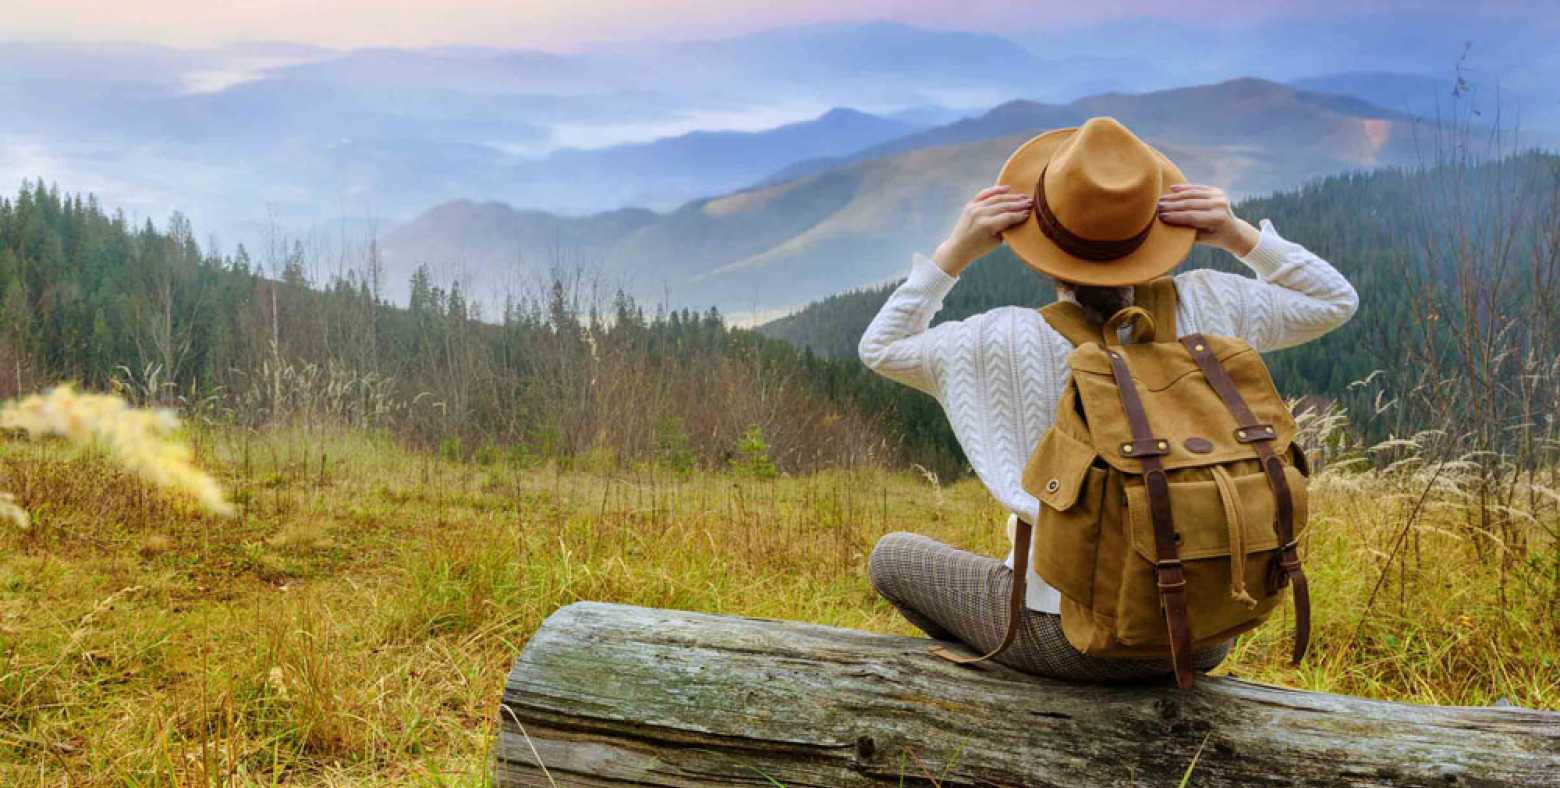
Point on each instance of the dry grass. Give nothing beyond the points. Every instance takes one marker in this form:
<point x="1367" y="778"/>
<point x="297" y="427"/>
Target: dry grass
<point x="138" y="439"/>
<point x="355" y="621"/>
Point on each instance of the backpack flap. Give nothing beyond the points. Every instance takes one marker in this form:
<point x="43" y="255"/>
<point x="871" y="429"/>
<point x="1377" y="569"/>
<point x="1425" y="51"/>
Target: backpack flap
<point x="1057" y="469"/>
<point x="1201" y="513"/>
<point x="1181" y="407"/>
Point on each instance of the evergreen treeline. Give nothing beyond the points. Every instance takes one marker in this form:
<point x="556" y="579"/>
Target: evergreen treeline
<point x="89" y="297"/>
<point x="1458" y="270"/>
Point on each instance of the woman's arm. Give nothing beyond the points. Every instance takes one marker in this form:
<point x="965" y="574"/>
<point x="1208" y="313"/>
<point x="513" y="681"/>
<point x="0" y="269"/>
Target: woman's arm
<point x="1297" y="296"/>
<point x="969" y="365"/>
<point x="895" y="344"/>
<point x="990" y="373"/>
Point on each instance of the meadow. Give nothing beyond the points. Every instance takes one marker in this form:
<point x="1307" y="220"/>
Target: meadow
<point x="354" y="621"/>
<point x="411" y="488"/>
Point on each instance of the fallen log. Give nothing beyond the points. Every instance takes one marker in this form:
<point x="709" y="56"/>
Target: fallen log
<point x="610" y="695"/>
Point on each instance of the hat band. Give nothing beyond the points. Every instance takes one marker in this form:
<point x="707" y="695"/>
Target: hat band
<point x="1077" y="245"/>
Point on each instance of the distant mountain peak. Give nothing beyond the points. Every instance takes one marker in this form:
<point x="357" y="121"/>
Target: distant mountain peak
<point x="844" y="113"/>
<point x="1250" y="83"/>
<point x="1014" y="107"/>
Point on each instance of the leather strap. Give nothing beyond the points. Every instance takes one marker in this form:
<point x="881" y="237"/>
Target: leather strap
<point x="1077" y="245"/>
<point x="1021" y="540"/>
<point x="1286" y="564"/>
<point x="1168" y="572"/>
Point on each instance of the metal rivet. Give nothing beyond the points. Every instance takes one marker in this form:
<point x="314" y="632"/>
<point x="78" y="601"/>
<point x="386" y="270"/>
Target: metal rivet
<point x="1053" y="485"/>
<point x="1270" y="430"/>
<point x="1240" y="433"/>
<point x="1126" y="448"/>
<point x="1199" y="348"/>
<point x="1163" y="445"/>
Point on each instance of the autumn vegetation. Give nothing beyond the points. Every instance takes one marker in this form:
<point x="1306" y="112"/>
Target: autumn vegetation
<point x="395" y="497"/>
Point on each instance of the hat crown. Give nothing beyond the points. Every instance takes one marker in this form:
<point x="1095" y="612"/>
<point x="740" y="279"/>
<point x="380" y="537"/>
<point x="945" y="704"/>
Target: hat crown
<point x="1103" y="183"/>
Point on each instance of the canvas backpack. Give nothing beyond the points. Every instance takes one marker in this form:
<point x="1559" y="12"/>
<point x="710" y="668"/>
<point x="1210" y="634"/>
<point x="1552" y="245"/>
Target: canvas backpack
<point x="1171" y="491"/>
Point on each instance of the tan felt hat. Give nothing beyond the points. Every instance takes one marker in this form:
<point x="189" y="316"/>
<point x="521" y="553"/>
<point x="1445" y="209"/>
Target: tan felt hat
<point x="1095" y="219"/>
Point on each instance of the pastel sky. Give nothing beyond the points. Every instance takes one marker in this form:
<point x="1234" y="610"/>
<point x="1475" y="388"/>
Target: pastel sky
<point x="563" y="25"/>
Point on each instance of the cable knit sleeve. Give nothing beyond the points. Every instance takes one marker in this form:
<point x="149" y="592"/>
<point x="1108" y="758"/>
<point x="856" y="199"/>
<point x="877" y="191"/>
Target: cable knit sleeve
<point x="1295" y="298"/>
<point x="896" y="341"/>
<point x="997" y="375"/>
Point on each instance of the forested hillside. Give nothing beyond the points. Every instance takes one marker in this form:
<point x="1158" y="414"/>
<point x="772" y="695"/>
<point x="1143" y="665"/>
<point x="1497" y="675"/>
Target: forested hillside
<point x="1388" y="231"/>
<point x="1457" y="271"/>
<point x="567" y="372"/>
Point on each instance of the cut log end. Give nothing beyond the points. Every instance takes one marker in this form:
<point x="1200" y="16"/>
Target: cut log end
<point x="611" y="695"/>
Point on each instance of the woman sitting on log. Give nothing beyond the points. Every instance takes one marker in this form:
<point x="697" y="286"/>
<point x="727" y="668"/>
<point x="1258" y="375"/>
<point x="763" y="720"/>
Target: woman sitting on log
<point x="999" y="375"/>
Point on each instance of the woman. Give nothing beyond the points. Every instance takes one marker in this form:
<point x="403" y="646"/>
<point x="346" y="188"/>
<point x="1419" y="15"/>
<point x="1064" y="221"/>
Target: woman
<point x="999" y="375"/>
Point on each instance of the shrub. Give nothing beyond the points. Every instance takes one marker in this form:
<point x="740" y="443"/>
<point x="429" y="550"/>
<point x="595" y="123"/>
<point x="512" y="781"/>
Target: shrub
<point x="753" y="455"/>
<point x="672" y="448"/>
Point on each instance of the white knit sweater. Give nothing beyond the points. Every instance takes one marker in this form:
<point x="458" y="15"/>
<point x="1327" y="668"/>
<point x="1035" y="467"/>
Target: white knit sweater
<point x="999" y="374"/>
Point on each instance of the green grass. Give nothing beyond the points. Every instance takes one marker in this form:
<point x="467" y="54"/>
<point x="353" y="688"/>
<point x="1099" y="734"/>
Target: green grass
<point x="354" y="624"/>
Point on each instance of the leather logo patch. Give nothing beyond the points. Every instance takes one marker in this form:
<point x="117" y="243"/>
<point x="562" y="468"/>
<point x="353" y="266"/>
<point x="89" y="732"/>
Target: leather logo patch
<point x="1199" y="445"/>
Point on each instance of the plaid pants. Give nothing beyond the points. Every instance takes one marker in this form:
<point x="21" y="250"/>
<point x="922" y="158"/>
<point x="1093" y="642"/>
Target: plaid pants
<point x="954" y="595"/>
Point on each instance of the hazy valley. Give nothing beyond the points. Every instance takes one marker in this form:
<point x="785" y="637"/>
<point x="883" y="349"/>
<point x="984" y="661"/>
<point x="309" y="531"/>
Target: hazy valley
<point x="822" y="226"/>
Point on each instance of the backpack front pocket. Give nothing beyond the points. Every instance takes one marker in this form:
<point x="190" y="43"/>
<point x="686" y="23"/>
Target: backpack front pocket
<point x="1063" y="475"/>
<point x="1224" y="526"/>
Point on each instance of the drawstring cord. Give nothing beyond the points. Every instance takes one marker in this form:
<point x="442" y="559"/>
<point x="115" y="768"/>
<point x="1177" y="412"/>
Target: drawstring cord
<point x="1236" y="521"/>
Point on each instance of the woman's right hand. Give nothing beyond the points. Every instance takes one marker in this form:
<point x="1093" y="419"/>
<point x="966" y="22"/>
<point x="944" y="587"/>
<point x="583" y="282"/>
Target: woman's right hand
<point x="980" y="226"/>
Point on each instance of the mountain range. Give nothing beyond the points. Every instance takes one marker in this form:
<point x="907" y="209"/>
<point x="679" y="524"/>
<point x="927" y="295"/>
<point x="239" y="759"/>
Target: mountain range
<point x="255" y="138"/>
<point x="668" y="172"/>
<point x="256" y="141"/>
<point x="822" y="225"/>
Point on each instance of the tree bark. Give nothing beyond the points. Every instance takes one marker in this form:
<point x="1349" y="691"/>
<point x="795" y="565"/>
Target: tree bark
<point x="610" y="695"/>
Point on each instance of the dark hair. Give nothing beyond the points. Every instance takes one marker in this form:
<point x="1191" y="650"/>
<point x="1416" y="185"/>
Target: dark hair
<point x="1098" y="303"/>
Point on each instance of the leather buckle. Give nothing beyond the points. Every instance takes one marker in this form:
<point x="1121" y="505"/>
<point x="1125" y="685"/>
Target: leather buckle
<point x="1277" y="575"/>
<point x="1288" y="557"/>
<point x="1151" y="447"/>
<point x="1168" y="575"/>
<point x="1251" y="433"/>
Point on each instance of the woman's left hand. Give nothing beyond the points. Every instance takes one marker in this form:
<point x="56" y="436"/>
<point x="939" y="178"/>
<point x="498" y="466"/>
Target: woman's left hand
<point x="1207" y="208"/>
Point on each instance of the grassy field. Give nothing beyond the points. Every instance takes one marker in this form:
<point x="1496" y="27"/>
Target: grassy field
<point x="354" y="623"/>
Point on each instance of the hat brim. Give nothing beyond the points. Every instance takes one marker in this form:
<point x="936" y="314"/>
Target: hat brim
<point x="1166" y="246"/>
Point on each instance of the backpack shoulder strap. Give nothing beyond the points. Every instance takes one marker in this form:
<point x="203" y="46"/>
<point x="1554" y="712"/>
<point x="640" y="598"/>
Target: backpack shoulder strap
<point x="1159" y="298"/>
<point x="1022" y="535"/>
<point x="1069" y="320"/>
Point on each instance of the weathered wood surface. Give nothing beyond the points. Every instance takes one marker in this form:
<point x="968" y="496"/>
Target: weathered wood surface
<point x="617" y="695"/>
